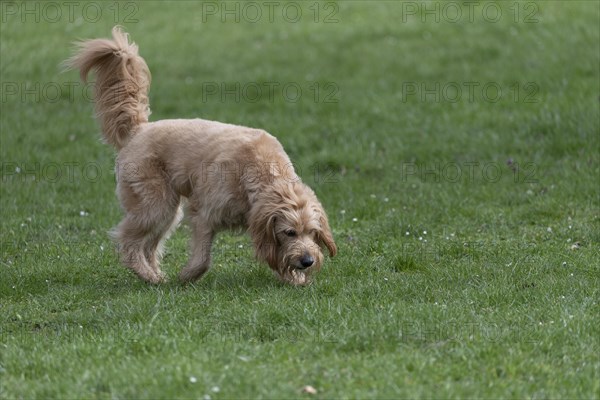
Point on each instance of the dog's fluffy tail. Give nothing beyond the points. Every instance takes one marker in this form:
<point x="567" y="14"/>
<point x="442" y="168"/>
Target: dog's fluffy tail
<point x="122" y="84"/>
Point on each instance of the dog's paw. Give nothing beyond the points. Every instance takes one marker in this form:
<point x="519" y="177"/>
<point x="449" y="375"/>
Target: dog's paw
<point x="151" y="276"/>
<point x="192" y="273"/>
<point x="155" y="279"/>
<point x="161" y="277"/>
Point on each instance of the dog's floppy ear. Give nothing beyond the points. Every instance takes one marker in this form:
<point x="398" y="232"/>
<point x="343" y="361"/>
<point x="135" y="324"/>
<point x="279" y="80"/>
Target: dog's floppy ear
<point x="324" y="235"/>
<point x="262" y="231"/>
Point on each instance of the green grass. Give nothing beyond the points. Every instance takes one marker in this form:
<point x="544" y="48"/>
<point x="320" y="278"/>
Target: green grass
<point x="490" y="302"/>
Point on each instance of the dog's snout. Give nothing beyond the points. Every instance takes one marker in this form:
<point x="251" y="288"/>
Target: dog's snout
<point x="307" y="260"/>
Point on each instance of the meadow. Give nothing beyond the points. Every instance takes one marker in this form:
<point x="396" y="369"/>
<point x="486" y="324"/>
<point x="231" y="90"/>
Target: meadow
<point x="455" y="147"/>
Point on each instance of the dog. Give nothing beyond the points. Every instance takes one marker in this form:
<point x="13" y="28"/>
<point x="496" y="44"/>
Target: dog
<point x="228" y="177"/>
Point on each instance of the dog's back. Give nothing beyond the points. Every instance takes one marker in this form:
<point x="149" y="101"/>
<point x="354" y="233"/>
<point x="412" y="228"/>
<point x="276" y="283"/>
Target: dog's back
<point x="202" y="157"/>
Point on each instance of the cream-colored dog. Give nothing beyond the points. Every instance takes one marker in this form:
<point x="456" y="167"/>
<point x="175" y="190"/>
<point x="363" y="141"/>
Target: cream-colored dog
<point x="232" y="177"/>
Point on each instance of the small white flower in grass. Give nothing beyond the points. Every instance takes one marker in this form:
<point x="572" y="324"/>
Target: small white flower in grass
<point x="385" y="279"/>
<point x="101" y="248"/>
<point x="385" y="199"/>
<point x="570" y="226"/>
<point x="354" y="219"/>
<point x="564" y="264"/>
<point x="241" y="246"/>
<point x="424" y="232"/>
<point x="420" y="237"/>
<point x="206" y="397"/>
<point x="343" y="212"/>
<point x="83" y="213"/>
<point x="549" y="230"/>
<point x="18" y="170"/>
<point x="407" y="233"/>
<point x="215" y="389"/>
<point x="571" y="274"/>
<point x="562" y="297"/>
<point x="193" y="379"/>
<point x="452" y="234"/>
<point x="373" y="196"/>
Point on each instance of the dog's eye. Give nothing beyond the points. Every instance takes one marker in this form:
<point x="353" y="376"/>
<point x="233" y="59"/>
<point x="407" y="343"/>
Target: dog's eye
<point x="290" y="233"/>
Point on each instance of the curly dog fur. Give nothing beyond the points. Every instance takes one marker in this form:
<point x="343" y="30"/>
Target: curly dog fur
<point x="232" y="177"/>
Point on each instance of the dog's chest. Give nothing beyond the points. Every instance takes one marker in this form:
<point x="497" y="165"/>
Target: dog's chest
<point x="227" y="214"/>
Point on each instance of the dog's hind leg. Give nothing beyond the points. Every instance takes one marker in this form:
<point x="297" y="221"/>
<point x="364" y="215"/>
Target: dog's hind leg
<point x="151" y="210"/>
<point x="131" y="235"/>
<point x="154" y="244"/>
<point x="201" y="244"/>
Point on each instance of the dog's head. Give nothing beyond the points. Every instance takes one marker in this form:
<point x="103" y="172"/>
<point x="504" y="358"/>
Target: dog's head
<point x="289" y="228"/>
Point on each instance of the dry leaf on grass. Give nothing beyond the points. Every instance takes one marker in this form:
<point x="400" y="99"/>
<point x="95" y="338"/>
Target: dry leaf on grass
<point x="309" y="389"/>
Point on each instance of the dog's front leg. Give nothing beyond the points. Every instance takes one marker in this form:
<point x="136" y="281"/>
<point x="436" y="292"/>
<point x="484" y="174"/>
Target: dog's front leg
<point x="201" y="244"/>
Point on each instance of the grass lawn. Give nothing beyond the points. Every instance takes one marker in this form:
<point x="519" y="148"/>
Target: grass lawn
<point x="455" y="147"/>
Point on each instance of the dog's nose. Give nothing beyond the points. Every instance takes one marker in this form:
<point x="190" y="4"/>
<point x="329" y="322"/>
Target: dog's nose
<point x="307" y="261"/>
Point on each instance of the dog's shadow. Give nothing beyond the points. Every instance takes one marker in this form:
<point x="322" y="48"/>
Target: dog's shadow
<point x="227" y="278"/>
